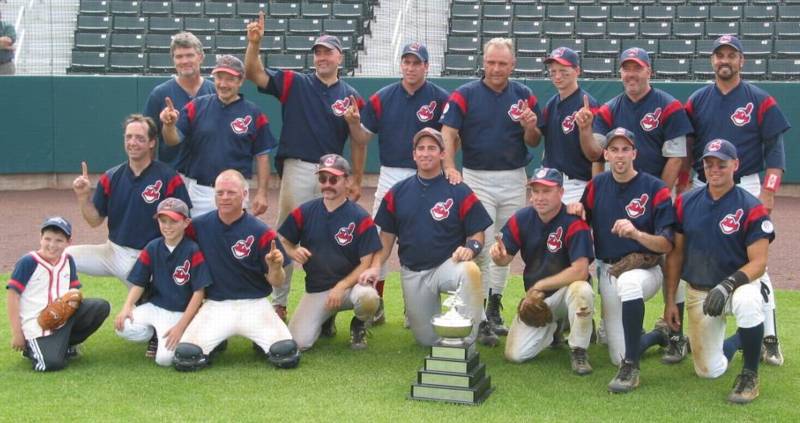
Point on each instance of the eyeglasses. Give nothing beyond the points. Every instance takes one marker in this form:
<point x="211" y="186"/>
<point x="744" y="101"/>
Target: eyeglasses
<point x="324" y="179"/>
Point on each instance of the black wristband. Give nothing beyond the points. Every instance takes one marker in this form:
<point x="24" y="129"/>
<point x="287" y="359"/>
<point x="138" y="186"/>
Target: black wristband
<point x="739" y="278"/>
<point x="475" y="246"/>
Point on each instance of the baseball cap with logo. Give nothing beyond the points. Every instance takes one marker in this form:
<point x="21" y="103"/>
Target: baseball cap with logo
<point x="547" y="176"/>
<point x="727" y="40"/>
<point x="635" y="54"/>
<point x="721" y="149"/>
<point x="59" y="223"/>
<point x="335" y="164"/>
<point x="329" y="41"/>
<point x="174" y="208"/>
<point x="620" y="133"/>
<point x="417" y="49"/>
<point x="229" y="64"/>
<point x="565" y="56"/>
<point x="429" y="132"/>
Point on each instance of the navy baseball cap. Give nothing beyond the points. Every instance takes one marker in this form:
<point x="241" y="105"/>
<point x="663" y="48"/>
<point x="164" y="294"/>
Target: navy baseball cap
<point x="429" y="132"/>
<point x="330" y="41"/>
<point x="565" y="56"/>
<point x="638" y="55"/>
<point x="620" y="132"/>
<point x="335" y="164"/>
<point x="721" y="149"/>
<point x="547" y="176"/>
<point x="229" y="64"/>
<point x="727" y="40"/>
<point x="417" y="49"/>
<point x="174" y="208"/>
<point x="58" y="222"/>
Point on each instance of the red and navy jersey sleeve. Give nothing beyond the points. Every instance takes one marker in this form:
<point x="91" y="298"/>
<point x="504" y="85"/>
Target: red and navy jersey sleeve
<point x="201" y="277"/>
<point x="512" y="235"/>
<point x="456" y="108"/>
<point x="280" y="84"/>
<point x="292" y="227"/>
<point x="142" y="272"/>
<point x="176" y="188"/>
<point x="187" y="120"/>
<point x="758" y="225"/>
<point x="386" y="217"/>
<point x="771" y="120"/>
<point x="664" y="222"/>
<point x="676" y="121"/>
<point x="264" y="141"/>
<point x="373" y="112"/>
<point x="102" y="193"/>
<point x="367" y="237"/>
<point x="264" y="245"/>
<point x="74" y="282"/>
<point x="471" y="212"/>
<point x="22" y="273"/>
<point x="579" y="240"/>
<point x="604" y="117"/>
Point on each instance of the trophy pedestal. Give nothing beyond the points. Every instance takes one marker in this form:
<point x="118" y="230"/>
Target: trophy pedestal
<point x="453" y="374"/>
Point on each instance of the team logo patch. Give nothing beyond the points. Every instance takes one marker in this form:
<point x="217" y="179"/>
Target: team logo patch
<point x="446" y="108"/>
<point x="554" y="242"/>
<point x="181" y="273"/>
<point x="329" y="161"/>
<point x="152" y="193"/>
<point x="714" y="145"/>
<point x="340" y="106"/>
<point x="741" y="116"/>
<point x="568" y="124"/>
<point x="242" y="247"/>
<point x="441" y="210"/>
<point x="766" y="227"/>
<point x="637" y="206"/>
<point x="425" y="112"/>
<point x="516" y="109"/>
<point x="239" y="125"/>
<point x="731" y="222"/>
<point x="650" y="121"/>
<point x="345" y="234"/>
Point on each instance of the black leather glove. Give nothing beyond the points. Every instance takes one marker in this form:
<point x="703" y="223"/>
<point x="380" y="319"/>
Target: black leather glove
<point x="718" y="296"/>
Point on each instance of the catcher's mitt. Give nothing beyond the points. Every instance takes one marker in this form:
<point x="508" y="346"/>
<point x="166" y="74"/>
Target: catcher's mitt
<point x="534" y="313"/>
<point x="634" y="261"/>
<point x="59" y="311"/>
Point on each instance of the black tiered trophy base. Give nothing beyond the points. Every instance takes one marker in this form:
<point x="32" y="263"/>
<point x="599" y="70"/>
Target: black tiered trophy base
<point x="453" y="374"/>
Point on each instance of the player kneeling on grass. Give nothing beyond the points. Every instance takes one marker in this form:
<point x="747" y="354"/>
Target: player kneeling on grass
<point x="334" y="239"/>
<point x="245" y="260"/>
<point x="46" y="311"/>
<point x="174" y="269"/>
<point x="721" y="245"/>
<point x="557" y="250"/>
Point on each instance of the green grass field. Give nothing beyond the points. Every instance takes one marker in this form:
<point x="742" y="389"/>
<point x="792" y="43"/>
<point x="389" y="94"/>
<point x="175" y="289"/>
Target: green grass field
<point x="113" y="381"/>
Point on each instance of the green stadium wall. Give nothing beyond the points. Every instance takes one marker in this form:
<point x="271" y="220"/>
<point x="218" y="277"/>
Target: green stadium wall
<point x="52" y="123"/>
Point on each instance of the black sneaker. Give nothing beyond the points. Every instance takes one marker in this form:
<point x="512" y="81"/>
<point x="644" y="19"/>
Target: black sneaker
<point x="329" y="328"/>
<point x="358" y="334"/>
<point x="152" y="347"/>
<point x="771" y="351"/>
<point x="486" y="335"/>
<point x="73" y="352"/>
<point x="558" y="335"/>
<point x="627" y="378"/>
<point x="580" y="361"/>
<point x="677" y="349"/>
<point x="493" y="315"/>
<point x="745" y="388"/>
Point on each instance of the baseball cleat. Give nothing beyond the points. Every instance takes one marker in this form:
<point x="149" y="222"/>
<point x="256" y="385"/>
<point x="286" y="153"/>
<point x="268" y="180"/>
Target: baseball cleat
<point x="627" y="378"/>
<point x="771" y="351"/>
<point x="676" y="350"/>
<point x="329" y="328"/>
<point x="493" y="308"/>
<point x="580" y="361"/>
<point x="486" y="335"/>
<point x="380" y="315"/>
<point x="152" y="347"/>
<point x="73" y="352"/>
<point x="358" y="334"/>
<point x="745" y="388"/>
<point x="281" y="311"/>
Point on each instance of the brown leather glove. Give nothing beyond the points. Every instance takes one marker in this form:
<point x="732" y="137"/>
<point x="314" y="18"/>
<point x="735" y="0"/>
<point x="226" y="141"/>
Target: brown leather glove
<point x="535" y="313"/>
<point x="634" y="261"/>
<point x="59" y="311"/>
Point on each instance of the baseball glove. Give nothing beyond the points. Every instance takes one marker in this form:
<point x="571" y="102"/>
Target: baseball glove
<point x="634" y="261"/>
<point x="534" y="313"/>
<point x="59" y="311"/>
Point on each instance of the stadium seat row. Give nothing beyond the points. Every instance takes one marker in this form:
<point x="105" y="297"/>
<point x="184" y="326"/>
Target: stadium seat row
<point x="339" y="9"/>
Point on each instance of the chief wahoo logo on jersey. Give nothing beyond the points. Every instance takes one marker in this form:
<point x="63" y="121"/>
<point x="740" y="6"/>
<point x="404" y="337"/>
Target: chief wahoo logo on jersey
<point x="650" y="121"/>
<point x="425" y="112"/>
<point x="637" y="206"/>
<point x="340" y="106"/>
<point x="441" y="210"/>
<point x="731" y="222"/>
<point x="568" y="124"/>
<point x="152" y="192"/>
<point x="345" y="234"/>
<point x="242" y="247"/>
<point x="239" y="125"/>
<point x="741" y="116"/>
<point x="516" y="109"/>
<point x="554" y="242"/>
<point x="181" y="273"/>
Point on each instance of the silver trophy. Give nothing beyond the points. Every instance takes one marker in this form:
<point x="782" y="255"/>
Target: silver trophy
<point x="451" y="326"/>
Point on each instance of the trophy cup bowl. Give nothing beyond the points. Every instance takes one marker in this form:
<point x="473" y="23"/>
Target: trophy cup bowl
<point x="452" y="327"/>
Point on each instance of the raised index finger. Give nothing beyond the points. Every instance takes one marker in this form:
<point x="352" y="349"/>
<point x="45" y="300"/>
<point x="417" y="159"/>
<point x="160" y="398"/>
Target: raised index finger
<point x="84" y="169"/>
<point x="272" y="246"/>
<point x="261" y="19"/>
<point x="586" y="101"/>
<point x="169" y="103"/>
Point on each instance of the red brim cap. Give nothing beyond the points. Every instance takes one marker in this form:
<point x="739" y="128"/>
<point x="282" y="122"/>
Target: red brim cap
<point x="337" y="172"/>
<point x="544" y="182"/>
<point x="559" y="60"/>
<point x="641" y="62"/>
<point x="226" y="69"/>
<point x="172" y="215"/>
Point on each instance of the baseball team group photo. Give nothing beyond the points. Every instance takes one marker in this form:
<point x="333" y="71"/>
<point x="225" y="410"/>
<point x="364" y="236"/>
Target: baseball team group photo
<point x="371" y="235"/>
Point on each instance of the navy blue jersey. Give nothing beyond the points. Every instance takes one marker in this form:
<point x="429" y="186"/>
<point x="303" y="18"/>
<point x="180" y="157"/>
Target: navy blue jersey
<point x="236" y="255"/>
<point x="337" y="240"/>
<point x="431" y="218"/>
<point x="547" y="248"/>
<point x="562" y="141"/>
<point x="155" y="104"/>
<point x="488" y="124"/>
<point x="172" y="276"/>
<point x="718" y="232"/>
<point x="747" y="117"/>
<point x="313" y="114"/>
<point x="654" y="119"/>
<point x="644" y="200"/>
<point x="395" y="115"/>
<point x="130" y="201"/>
<point x="217" y="137"/>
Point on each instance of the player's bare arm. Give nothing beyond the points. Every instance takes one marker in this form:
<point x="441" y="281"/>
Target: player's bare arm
<point x="529" y="121"/>
<point x="464" y="252"/>
<point x="336" y="296"/>
<point x="127" y="310"/>
<point x="451" y="145"/>
<point x="83" y="190"/>
<point x="372" y="273"/>
<point x="590" y="146"/>
<point x="259" y="205"/>
<point x="358" y="134"/>
<point x="174" y="334"/>
<point x="274" y="260"/>
<point x="672" y="276"/>
<point x="253" y="68"/>
<point x="169" y="117"/>
<point x="671" y="170"/>
<point x="578" y="270"/>
<point x="757" y="254"/>
<point x="14" y="321"/>
<point x="298" y="253"/>
<point x="624" y="228"/>
<point x="358" y="158"/>
<point x="772" y="178"/>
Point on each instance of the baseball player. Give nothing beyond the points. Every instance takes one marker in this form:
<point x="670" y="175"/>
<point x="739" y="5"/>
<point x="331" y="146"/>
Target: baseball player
<point x="721" y="244"/>
<point x="750" y="118"/>
<point x="629" y="212"/>
<point x="127" y="194"/>
<point x="439" y="228"/>
<point x="246" y="260"/>
<point x="186" y="85"/>
<point x="334" y="239"/>
<point x="39" y="278"/>
<point x="496" y="119"/>
<point x="313" y="110"/>
<point x="395" y="113"/>
<point x="557" y="250"/>
<point x="218" y="132"/>
<point x="174" y="267"/>
<point x="564" y="149"/>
